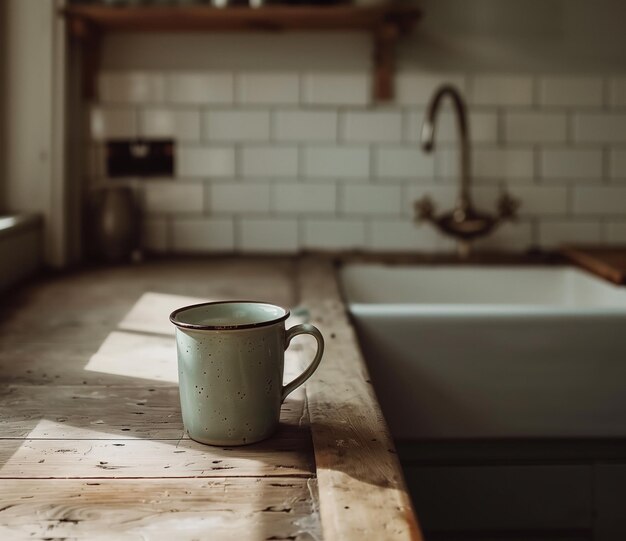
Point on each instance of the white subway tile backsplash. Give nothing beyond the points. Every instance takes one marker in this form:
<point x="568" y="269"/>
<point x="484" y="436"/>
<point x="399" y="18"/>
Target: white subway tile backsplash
<point x="240" y="197"/>
<point x="509" y="237"/>
<point x="575" y="164"/>
<point x="555" y="234"/>
<point x="237" y="125"/>
<point x="535" y="127"/>
<point x="404" y="162"/>
<point x="600" y="128"/>
<point x="534" y="200"/>
<point x="334" y="234"/>
<point x="131" y="87"/>
<point x="488" y="163"/>
<point x="306" y="126"/>
<point x="268" y="88"/>
<point x="503" y="163"/>
<point x="599" y="200"/>
<point x="200" y="88"/>
<point x="154" y="235"/>
<point x="372" y="126"/>
<point x="616" y="232"/>
<point x="198" y="235"/>
<point x="112" y="123"/>
<point x="271" y="235"/>
<point x="498" y="90"/>
<point x="305" y="198"/>
<point x="571" y="91"/>
<point x="336" y="88"/>
<point x="618" y="164"/>
<point x="404" y="235"/>
<point x="173" y="197"/>
<point x="418" y="88"/>
<point x="271" y="155"/>
<point x="447" y="163"/>
<point x="341" y="162"/>
<point x="180" y="125"/>
<point x="483" y="127"/>
<point x="617" y="92"/>
<point x="205" y="162"/>
<point x="372" y="200"/>
<point x="269" y="161"/>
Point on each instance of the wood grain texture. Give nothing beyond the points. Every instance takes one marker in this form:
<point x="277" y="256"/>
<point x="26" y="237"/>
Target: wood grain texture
<point x="50" y="330"/>
<point x="88" y="391"/>
<point x="103" y="412"/>
<point x="284" y="454"/>
<point x="183" y="509"/>
<point x="61" y="421"/>
<point x="268" y="18"/>
<point x="361" y="487"/>
<point x="607" y="262"/>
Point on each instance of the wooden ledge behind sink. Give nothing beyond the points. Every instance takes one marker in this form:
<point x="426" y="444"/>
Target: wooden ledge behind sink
<point x="608" y="262"/>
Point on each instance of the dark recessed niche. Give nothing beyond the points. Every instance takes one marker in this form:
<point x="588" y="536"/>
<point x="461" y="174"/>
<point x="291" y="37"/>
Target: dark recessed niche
<point x="140" y="158"/>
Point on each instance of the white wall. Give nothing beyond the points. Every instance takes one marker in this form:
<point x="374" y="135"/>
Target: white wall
<point x="3" y="77"/>
<point x="32" y="167"/>
<point x="566" y="36"/>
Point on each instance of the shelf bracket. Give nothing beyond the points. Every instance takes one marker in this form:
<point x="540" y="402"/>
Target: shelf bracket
<point x="385" y="40"/>
<point x="88" y="35"/>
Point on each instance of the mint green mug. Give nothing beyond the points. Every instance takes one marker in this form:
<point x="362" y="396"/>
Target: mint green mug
<point x="230" y="368"/>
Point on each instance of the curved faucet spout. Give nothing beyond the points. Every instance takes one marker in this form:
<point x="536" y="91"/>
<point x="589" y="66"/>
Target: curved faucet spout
<point x="428" y="136"/>
<point x="464" y="222"/>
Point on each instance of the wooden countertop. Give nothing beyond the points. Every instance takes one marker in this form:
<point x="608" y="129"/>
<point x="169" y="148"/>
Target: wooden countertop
<point x="91" y="439"/>
<point x="608" y="262"/>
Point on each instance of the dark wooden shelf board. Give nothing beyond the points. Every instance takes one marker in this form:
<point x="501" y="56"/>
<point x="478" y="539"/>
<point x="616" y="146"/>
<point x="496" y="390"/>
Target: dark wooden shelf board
<point x="386" y="23"/>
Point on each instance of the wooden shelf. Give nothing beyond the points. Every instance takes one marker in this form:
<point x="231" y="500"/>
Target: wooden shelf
<point x="386" y="23"/>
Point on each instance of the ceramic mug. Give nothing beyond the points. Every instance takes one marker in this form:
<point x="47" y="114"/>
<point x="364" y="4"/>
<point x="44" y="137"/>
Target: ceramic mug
<point x="230" y="368"/>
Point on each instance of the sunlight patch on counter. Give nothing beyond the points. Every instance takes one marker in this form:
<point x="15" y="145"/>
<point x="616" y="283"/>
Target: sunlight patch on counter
<point x="136" y="356"/>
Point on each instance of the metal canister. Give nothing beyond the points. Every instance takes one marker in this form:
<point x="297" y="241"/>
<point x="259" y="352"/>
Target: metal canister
<point x="114" y="223"/>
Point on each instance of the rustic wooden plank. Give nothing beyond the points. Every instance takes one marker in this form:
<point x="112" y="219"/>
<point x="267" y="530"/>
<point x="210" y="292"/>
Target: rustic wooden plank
<point x="225" y="509"/>
<point x="49" y="332"/>
<point x="85" y="306"/>
<point x="136" y="356"/>
<point x="361" y="486"/>
<point x="102" y="412"/>
<point x="269" y="18"/>
<point x="283" y="454"/>
<point x="150" y="314"/>
<point x="608" y="262"/>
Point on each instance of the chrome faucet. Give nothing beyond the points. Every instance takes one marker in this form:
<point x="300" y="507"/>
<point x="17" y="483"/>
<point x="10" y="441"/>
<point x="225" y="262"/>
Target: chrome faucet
<point x="465" y="222"/>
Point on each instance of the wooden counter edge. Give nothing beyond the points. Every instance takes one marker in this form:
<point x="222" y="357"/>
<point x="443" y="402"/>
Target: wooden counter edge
<point x="361" y="486"/>
<point x="600" y="261"/>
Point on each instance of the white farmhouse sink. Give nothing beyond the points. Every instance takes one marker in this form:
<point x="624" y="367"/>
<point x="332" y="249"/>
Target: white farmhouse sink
<point x="492" y="352"/>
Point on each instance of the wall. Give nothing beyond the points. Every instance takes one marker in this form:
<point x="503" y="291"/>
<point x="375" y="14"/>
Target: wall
<point x="32" y="176"/>
<point x="3" y="78"/>
<point x="280" y="149"/>
<point x="546" y="36"/>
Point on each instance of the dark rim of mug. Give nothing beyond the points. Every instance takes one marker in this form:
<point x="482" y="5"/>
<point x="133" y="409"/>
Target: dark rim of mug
<point x="196" y="327"/>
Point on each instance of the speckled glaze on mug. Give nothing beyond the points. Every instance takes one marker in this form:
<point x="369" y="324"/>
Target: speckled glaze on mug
<point x="230" y="368"/>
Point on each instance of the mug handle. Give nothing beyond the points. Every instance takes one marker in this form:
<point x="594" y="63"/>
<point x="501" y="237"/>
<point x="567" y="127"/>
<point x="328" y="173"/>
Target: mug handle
<point x="304" y="328"/>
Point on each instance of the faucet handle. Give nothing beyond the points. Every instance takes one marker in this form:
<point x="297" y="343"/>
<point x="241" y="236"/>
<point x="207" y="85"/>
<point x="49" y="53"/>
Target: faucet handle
<point x="424" y="208"/>
<point x="508" y="206"/>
